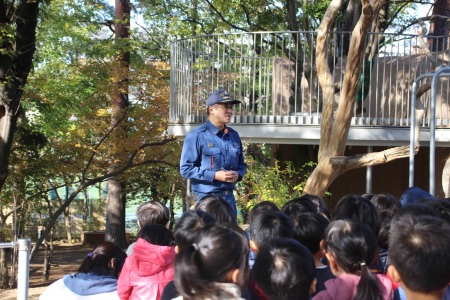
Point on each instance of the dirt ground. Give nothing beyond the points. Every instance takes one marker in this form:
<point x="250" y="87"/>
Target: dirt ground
<point x="66" y="259"/>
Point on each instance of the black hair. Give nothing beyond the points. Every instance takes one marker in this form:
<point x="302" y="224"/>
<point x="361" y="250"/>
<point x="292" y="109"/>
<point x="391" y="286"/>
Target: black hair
<point x="299" y="205"/>
<point x="352" y="244"/>
<point x="270" y="225"/>
<point x="309" y="229"/>
<point x="260" y="207"/>
<point x="318" y="201"/>
<point x="386" y="201"/>
<point x="420" y="251"/>
<point x="217" y="250"/>
<point x="385" y="228"/>
<point x="441" y="207"/>
<point x="357" y="208"/>
<point x="157" y="235"/>
<point x="284" y="270"/>
<point x="152" y="212"/>
<point x="189" y="225"/>
<point x="368" y="196"/>
<point x="98" y="261"/>
<point x="416" y="209"/>
<point x="218" y="207"/>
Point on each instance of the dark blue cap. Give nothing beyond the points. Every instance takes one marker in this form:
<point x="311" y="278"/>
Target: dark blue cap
<point x="413" y="195"/>
<point x="221" y="97"/>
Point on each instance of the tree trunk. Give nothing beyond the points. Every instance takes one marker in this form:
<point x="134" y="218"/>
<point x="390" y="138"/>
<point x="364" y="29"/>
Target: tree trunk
<point x="15" y="65"/>
<point x="334" y="130"/>
<point x="115" y="213"/>
<point x="3" y="270"/>
<point x="48" y="258"/>
<point x="67" y="225"/>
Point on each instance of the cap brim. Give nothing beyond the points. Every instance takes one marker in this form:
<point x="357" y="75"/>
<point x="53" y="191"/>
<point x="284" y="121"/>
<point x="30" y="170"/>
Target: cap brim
<point x="230" y="102"/>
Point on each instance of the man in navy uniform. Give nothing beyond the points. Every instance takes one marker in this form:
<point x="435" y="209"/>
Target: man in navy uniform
<point x="212" y="156"/>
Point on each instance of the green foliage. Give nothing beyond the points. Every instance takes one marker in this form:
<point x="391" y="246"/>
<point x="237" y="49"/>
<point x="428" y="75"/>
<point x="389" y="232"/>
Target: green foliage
<point x="64" y="133"/>
<point x="272" y="183"/>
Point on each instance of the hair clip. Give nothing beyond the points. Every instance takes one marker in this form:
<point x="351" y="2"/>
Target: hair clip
<point x="362" y="264"/>
<point x="90" y="255"/>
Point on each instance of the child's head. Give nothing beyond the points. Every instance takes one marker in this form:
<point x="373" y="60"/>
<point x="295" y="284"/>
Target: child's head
<point x="189" y="225"/>
<point x="267" y="226"/>
<point x="156" y="234"/>
<point x="350" y="248"/>
<point x="419" y="252"/>
<point x="318" y="201"/>
<point x="357" y="208"/>
<point x="261" y="207"/>
<point x="309" y="229"/>
<point x="218" y="207"/>
<point x="219" y="254"/>
<point x="152" y="212"/>
<point x="386" y="201"/>
<point x="106" y="259"/>
<point x="284" y="269"/>
<point x="298" y="205"/>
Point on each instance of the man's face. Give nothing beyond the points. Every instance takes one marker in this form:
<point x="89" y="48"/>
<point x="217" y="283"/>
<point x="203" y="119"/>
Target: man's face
<point x="222" y="113"/>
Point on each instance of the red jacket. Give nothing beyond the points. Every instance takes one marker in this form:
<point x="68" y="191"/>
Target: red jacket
<point x="146" y="271"/>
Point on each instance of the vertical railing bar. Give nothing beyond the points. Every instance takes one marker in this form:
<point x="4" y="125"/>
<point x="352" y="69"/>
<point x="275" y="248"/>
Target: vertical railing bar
<point x="389" y="69"/>
<point x="282" y="78"/>
<point x="235" y="55"/>
<point x="262" y="71"/>
<point x="405" y="100"/>
<point x="203" y="59"/>
<point x="194" y="72"/>
<point x="240" y="62"/>
<point x="191" y="72"/>
<point x="254" y="67"/>
<point x="312" y="89"/>
<point x="289" y="83"/>
<point x="249" y="67"/>
<point x="373" y="37"/>
<point x="269" y="69"/>
<point x="396" y="108"/>
<point x="293" y="57"/>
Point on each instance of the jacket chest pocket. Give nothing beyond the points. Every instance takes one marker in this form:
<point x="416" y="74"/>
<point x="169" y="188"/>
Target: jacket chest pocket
<point x="211" y="158"/>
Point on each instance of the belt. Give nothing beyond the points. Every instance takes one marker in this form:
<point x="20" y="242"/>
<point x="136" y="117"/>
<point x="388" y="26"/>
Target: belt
<point x="222" y="192"/>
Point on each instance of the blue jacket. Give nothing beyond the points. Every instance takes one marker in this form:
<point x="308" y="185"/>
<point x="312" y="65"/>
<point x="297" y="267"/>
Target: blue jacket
<point x="207" y="150"/>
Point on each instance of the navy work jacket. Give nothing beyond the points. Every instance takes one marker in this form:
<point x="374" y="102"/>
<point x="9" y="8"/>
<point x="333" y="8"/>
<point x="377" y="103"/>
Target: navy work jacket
<point x="207" y="150"/>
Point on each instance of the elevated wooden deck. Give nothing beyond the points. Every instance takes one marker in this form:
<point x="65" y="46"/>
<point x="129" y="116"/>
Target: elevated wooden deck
<point x="294" y="133"/>
<point x="282" y="105"/>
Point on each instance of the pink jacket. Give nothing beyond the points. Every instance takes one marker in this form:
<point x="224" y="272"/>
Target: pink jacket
<point x="146" y="271"/>
<point x="344" y="288"/>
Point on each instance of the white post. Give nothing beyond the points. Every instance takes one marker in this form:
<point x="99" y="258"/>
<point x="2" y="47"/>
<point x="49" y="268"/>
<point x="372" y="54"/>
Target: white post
<point x="23" y="269"/>
<point x="369" y="180"/>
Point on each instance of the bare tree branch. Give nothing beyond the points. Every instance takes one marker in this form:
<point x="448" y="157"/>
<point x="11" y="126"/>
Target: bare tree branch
<point x="86" y="183"/>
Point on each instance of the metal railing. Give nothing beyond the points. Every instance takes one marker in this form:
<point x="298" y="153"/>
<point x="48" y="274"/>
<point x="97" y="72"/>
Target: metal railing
<point x="273" y="74"/>
<point x="23" y="266"/>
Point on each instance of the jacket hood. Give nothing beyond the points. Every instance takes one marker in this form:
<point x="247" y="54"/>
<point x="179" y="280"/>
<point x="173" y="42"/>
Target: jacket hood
<point x="89" y="284"/>
<point x="148" y="259"/>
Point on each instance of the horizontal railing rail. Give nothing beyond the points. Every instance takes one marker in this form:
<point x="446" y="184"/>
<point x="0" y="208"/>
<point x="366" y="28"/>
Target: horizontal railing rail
<point x="273" y="74"/>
